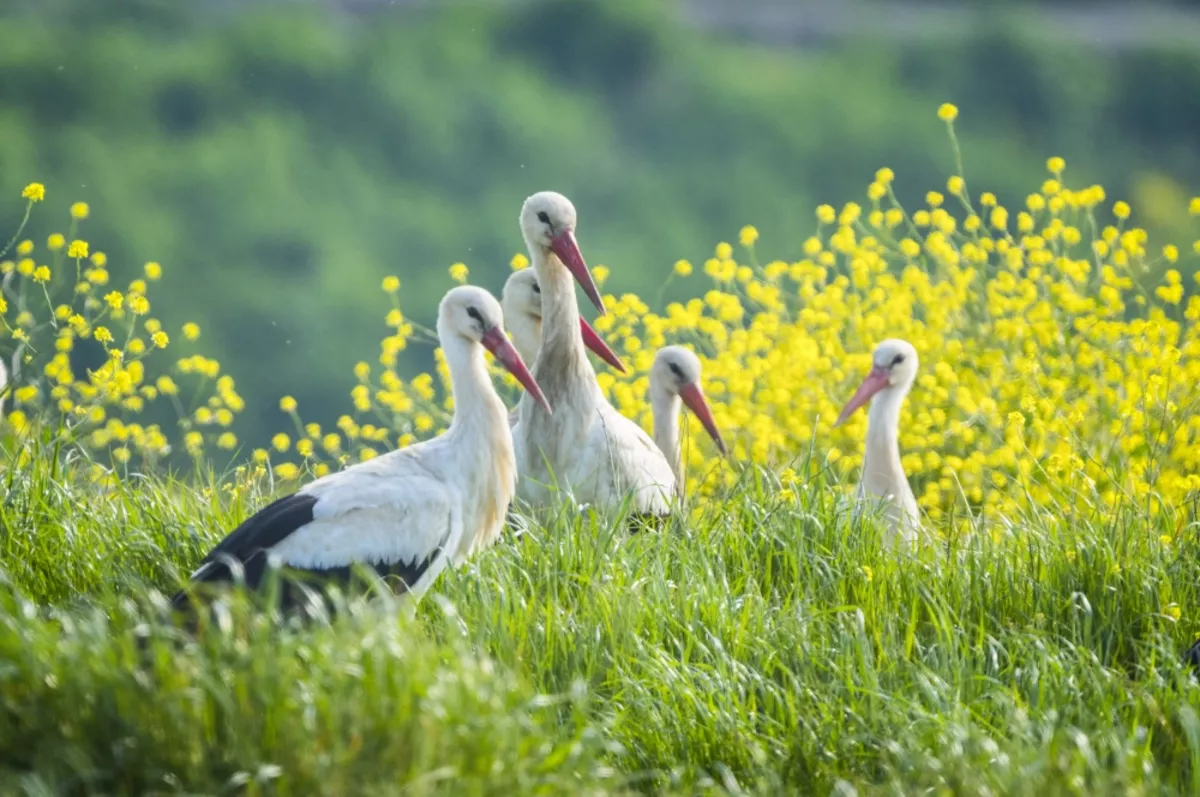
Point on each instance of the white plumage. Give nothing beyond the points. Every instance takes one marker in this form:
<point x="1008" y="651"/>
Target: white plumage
<point x="410" y="512"/>
<point x="587" y="448"/>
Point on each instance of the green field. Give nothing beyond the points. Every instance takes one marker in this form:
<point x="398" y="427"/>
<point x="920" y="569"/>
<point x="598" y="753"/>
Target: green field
<point x="767" y="647"/>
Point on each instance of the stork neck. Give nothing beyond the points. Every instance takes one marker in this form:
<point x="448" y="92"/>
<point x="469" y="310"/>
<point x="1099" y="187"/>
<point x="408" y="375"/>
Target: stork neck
<point x="475" y="400"/>
<point x="666" y="407"/>
<point x="561" y="335"/>
<point x="881" y="461"/>
<point x="526" y="331"/>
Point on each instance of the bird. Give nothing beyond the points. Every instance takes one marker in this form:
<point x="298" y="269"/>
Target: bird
<point x="521" y="301"/>
<point x="675" y="379"/>
<point x="587" y="448"/>
<point x="894" y="367"/>
<point x="410" y="512"/>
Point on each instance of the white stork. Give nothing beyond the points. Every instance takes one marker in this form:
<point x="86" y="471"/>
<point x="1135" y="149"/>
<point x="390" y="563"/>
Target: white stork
<point x="408" y="513"/>
<point x="893" y="371"/>
<point x="675" y="379"/>
<point x="587" y="447"/>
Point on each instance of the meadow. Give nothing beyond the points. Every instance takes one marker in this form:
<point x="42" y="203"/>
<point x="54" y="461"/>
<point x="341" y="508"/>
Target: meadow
<point x="765" y="642"/>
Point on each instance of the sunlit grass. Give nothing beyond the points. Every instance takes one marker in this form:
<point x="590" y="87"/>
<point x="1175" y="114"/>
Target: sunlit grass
<point x="768" y="644"/>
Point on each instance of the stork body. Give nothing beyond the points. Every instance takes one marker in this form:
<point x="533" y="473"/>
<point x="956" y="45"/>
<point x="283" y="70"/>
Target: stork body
<point x="408" y="513"/>
<point x="587" y="447"/>
<point x="883" y="479"/>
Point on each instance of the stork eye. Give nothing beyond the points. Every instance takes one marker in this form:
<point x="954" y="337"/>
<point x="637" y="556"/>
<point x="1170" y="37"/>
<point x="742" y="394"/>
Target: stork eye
<point x="675" y="369"/>
<point x="537" y="288"/>
<point x="899" y="358"/>
<point x="471" y="311"/>
<point x="543" y="217"/>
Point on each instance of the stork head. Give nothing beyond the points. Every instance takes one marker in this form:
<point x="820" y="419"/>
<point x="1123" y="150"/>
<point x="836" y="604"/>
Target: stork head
<point x="893" y="368"/>
<point x="474" y="315"/>
<point x="522" y="299"/>
<point x="548" y="223"/>
<point x="676" y="372"/>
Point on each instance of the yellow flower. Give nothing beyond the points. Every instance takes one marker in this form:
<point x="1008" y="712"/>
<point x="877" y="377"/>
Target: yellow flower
<point x="331" y="443"/>
<point x="518" y="262"/>
<point x="79" y="210"/>
<point x="1173" y="611"/>
<point x="160" y="339"/>
<point x="99" y="259"/>
<point x="191" y="331"/>
<point x="934" y="199"/>
<point x="1194" y="206"/>
<point x="366" y="452"/>
<point x="25" y="247"/>
<point x="260" y="455"/>
<point x="115" y="299"/>
<point x="139" y="304"/>
<point x="1121" y="210"/>
<point x="281" y="442"/>
<point x="391" y="284"/>
<point x="26" y="266"/>
<point x="26" y="394"/>
<point x="955" y="185"/>
<point x="136" y="346"/>
<point x="459" y="273"/>
<point x="41" y="274"/>
<point x="999" y="218"/>
<point x="362" y="371"/>
<point x="55" y="242"/>
<point x="683" y="268"/>
<point x="1171" y="253"/>
<point x="826" y="214"/>
<point x="748" y="235"/>
<point x="304" y="448"/>
<point x="34" y="192"/>
<point x="867" y="572"/>
<point x="166" y="385"/>
<point x="121" y="454"/>
<point x="153" y="270"/>
<point x="77" y="249"/>
<point x="287" y="404"/>
<point x="884" y="175"/>
<point x="947" y="112"/>
<point x="137" y="286"/>
<point x="600" y="273"/>
<point x="102" y="334"/>
<point x="227" y="441"/>
<point x="1056" y="165"/>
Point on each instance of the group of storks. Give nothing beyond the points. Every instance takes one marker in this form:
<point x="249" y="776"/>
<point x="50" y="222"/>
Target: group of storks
<point x="406" y="514"/>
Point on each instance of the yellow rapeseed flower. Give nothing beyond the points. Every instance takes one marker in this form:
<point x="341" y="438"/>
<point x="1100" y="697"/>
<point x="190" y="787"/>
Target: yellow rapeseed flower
<point x="826" y="214"/>
<point x="1055" y="165"/>
<point x="1121" y="210"/>
<point x="34" y="192"/>
<point x="79" y="210"/>
<point x="459" y="273"/>
<point x="41" y="274"/>
<point x="99" y="259"/>
<point x="884" y="175"/>
<point x="391" y="284"/>
<point x="191" y="331"/>
<point x="115" y="299"/>
<point x="152" y="270"/>
<point x="287" y="404"/>
<point x="947" y="112"/>
<point x="77" y="249"/>
<point x="683" y="268"/>
<point x="25" y="247"/>
<point x="227" y="441"/>
<point x="139" y="304"/>
<point x="160" y="339"/>
<point x="518" y="262"/>
<point x="748" y="235"/>
<point x="955" y="185"/>
<point x="599" y="273"/>
<point x="55" y="242"/>
<point x="281" y="442"/>
<point x="1194" y="206"/>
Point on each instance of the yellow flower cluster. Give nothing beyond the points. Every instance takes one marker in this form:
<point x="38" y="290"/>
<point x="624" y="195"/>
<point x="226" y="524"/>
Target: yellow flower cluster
<point x="1058" y="350"/>
<point x="47" y="308"/>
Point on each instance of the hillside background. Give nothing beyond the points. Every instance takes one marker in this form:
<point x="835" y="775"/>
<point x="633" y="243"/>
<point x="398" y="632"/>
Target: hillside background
<point x="280" y="158"/>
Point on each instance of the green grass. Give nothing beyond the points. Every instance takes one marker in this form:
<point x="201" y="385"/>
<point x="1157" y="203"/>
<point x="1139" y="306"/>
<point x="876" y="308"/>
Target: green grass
<point x="744" y="652"/>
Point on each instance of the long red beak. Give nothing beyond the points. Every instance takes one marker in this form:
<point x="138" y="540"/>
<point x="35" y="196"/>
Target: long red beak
<point x="565" y="249"/>
<point x="592" y="339"/>
<point x="876" y="381"/>
<point x="693" y="399"/>
<point x="495" y="341"/>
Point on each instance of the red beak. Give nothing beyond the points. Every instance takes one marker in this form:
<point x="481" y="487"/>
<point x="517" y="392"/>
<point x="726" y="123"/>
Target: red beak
<point x="592" y="339"/>
<point x="565" y="249"/>
<point x="495" y="341"/>
<point x="876" y="381"/>
<point x="693" y="399"/>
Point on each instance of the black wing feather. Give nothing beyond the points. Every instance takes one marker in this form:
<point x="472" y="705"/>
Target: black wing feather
<point x="250" y="543"/>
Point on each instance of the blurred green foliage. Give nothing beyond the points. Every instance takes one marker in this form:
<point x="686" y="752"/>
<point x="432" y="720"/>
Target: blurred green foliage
<point x="280" y="159"/>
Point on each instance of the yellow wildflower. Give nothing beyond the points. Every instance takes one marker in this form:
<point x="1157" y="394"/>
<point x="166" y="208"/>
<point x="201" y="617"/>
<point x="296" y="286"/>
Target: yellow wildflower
<point x="79" y="210"/>
<point x="947" y="112"/>
<point x="34" y="192"/>
<point x="459" y="273"/>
